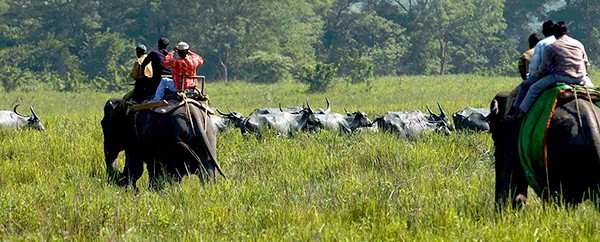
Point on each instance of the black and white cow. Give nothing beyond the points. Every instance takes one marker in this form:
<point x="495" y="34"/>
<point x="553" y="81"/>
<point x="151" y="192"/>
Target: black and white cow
<point x="226" y="120"/>
<point x="471" y="119"/>
<point x="15" y="120"/>
<point x="411" y="124"/>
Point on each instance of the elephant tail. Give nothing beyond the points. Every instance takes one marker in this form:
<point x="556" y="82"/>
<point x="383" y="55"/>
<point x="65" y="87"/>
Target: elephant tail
<point x="193" y="153"/>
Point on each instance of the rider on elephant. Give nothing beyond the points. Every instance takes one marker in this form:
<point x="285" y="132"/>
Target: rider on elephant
<point x="184" y="63"/>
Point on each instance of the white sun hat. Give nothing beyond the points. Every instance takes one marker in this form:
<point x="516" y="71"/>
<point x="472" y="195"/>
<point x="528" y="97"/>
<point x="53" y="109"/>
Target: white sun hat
<point x="183" y="46"/>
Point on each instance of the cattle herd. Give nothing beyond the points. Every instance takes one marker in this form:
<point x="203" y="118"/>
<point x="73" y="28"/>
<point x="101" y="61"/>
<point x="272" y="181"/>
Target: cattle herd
<point x="164" y="142"/>
<point x="289" y="120"/>
<point x="406" y="124"/>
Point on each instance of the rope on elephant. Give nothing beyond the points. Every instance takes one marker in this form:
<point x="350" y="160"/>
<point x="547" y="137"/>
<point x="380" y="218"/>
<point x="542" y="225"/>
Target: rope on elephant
<point x="187" y="112"/>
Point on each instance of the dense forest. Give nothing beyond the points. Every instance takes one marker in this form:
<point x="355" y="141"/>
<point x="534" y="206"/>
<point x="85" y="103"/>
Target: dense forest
<point x="71" y="45"/>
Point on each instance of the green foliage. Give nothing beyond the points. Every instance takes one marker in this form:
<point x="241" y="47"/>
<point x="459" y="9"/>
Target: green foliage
<point x="362" y="72"/>
<point x="580" y="16"/>
<point x="353" y="31"/>
<point x="227" y="33"/>
<point x="315" y="186"/>
<point x="112" y="64"/>
<point x="415" y="37"/>
<point x="13" y="77"/>
<point x="320" y="78"/>
<point x="266" y="67"/>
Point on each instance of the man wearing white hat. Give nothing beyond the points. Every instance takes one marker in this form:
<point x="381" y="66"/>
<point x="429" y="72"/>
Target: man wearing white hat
<point x="185" y="64"/>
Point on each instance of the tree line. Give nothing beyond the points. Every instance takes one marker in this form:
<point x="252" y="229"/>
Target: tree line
<point x="71" y="45"/>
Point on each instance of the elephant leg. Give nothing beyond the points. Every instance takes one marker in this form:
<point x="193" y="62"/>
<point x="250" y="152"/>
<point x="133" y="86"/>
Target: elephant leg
<point x="511" y="185"/>
<point x="518" y="184"/>
<point x="161" y="171"/>
<point x="134" y="168"/>
<point x="209" y="166"/>
<point x="112" y="172"/>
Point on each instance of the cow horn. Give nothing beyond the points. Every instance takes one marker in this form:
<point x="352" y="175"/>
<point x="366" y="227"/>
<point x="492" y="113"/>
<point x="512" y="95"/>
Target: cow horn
<point x="15" y="110"/>
<point x="230" y="112"/>
<point x="33" y="112"/>
<point x="442" y="114"/>
<point x="347" y="113"/>
<point x="309" y="108"/>
<point x="328" y="105"/>
<point x="430" y="112"/>
<point x="435" y="116"/>
<point x="280" y="108"/>
<point x="219" y="111"/>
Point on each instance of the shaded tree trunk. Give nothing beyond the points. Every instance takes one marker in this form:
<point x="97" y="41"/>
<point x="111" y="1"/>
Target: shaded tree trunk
<point x="443" y="49"/>
<point x="225" y="74"/>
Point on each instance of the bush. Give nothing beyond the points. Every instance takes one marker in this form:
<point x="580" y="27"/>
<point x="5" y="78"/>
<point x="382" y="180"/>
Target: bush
<point x="13" y="78"/>
<point x="266" y="67"/>
<point x="362" y="71"/>
<point x="320" y="78"/>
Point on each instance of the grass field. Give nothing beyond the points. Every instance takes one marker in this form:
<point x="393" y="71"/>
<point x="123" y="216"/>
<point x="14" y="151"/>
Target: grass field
<point x="323" y="186"/>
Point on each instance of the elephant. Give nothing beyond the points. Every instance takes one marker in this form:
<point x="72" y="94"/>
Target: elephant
<point x="175" y="142"/>
<point x="571" y="171"/>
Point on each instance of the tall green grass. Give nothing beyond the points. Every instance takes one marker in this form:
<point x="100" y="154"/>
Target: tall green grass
<point x="321" y="186"/>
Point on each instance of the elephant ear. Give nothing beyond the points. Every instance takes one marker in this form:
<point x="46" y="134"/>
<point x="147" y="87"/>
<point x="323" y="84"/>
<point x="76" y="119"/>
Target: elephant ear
<point x="114" y="103"/>
<point x="494" y="110"/>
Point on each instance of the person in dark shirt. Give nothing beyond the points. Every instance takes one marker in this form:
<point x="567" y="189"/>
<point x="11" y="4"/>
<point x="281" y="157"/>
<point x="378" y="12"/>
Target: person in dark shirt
<point x="156" y="59"/>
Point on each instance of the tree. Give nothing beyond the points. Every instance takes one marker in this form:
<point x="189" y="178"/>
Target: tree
<point x="229" y="32"/>
<point x="353" y="31"/>
<point x="452" y="33"/>
<point x="582" y="19"/>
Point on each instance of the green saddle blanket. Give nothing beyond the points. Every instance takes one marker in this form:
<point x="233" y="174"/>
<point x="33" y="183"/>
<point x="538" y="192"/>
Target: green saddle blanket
<point x="532" y="136"/>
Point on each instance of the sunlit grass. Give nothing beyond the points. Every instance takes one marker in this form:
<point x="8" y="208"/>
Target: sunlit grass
<point x="314" y="186"/>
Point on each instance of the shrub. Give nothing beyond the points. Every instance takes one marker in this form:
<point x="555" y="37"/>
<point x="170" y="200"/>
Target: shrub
<point x="13" y="78"/>
<point x="362" y="71"/>
<point x="320" y="78"/>
<point x="266" y="67"/>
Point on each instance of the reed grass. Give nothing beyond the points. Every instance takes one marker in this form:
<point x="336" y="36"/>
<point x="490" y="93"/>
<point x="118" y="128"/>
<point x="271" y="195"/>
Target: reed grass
<point x="312" y="187"/>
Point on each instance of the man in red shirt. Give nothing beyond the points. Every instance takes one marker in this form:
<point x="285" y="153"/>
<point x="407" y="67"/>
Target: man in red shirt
<point x="185" y="63"/>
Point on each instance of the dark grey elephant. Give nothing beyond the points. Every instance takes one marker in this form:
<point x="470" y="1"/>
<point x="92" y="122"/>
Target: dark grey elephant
<point x="176" y="143"/>
<point x="572" y="168"/>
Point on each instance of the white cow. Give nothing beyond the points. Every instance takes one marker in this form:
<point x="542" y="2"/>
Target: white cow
<point x="12" y="119"/>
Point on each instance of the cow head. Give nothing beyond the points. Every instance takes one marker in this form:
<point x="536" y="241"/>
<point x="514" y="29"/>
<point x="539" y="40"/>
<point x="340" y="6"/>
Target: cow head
<point x="234" y="118"/>
<point x="313" y="122"/>
<point x="441" y="121"/>
<point x="33" y="121"/>
<point x="320" y="110"/>
<point x="358" y="119"/>
<point x="471" y="119"/>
